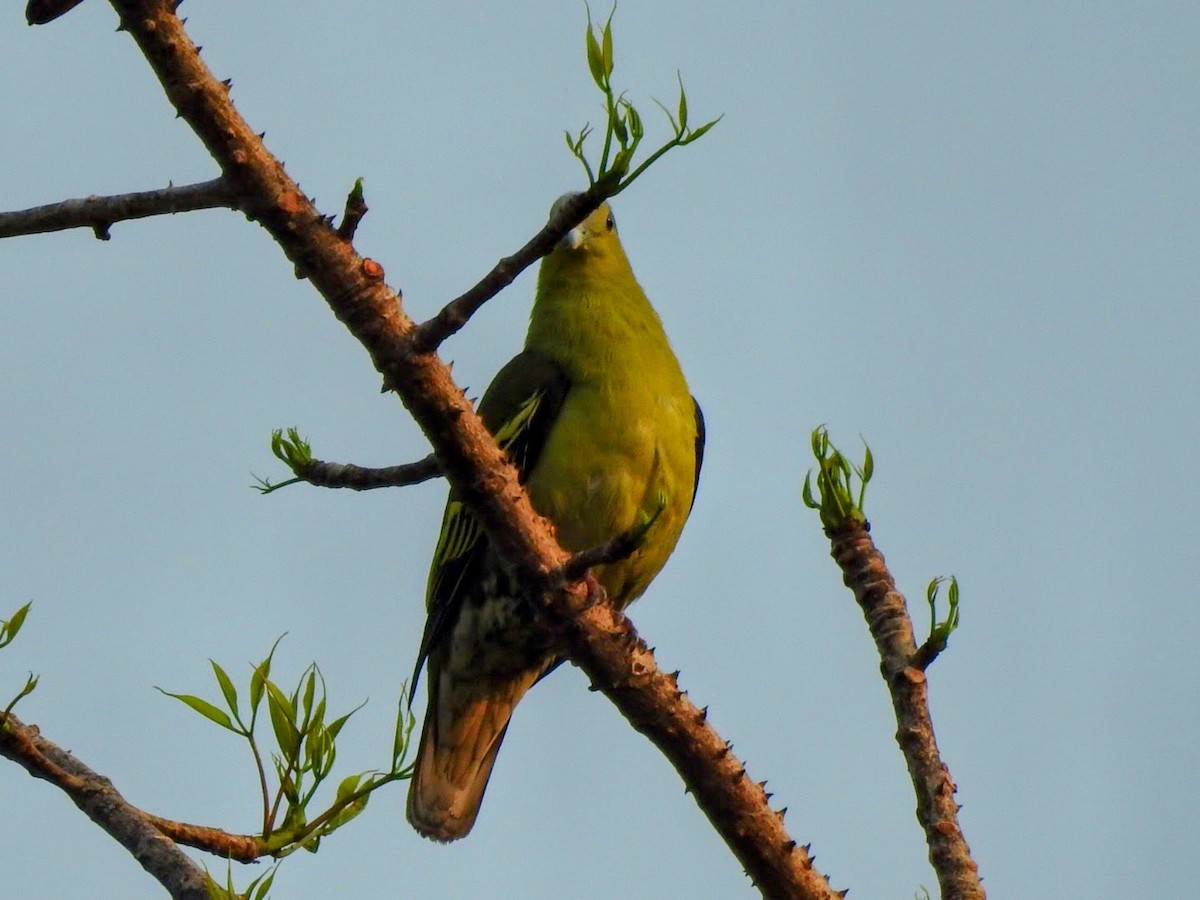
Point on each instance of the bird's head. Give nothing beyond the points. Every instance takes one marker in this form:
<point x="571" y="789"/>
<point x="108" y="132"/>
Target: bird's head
<point x="596" y="233"/>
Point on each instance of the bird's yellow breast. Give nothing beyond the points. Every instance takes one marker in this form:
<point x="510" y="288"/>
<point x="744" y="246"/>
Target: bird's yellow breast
<point x="609" y="466"/>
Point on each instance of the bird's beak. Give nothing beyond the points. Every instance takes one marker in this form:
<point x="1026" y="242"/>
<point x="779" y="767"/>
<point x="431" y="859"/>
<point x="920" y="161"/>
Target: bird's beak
<point x="573" y="239"/>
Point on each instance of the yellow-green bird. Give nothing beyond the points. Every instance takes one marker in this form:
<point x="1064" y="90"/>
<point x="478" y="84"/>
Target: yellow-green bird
<point x="597" y="417"/>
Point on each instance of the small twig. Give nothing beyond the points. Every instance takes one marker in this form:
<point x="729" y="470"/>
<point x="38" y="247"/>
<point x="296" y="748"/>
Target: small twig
<point x="360" y="478"/>
<point x="356" y="208"/>
<point x="927" y="653"/>
<point x="609" y="552"/>
<point x="104" y="805"/>
<point x="429" y="335"/>
<point x="614" y="550"/>
<point x="240" y="847"/>
<point x="99" y="213"/>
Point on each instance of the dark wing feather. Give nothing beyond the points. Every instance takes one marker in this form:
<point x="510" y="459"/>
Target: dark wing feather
<point x="699" y="449"/>
<point x="519" y="409"/>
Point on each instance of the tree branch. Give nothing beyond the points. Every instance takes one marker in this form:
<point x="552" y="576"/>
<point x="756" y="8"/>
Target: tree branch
<point x="454" y="315"/>
<point x="361" y="478"/>
<point x="100" y="802"/>
<point x="599" y="639"/>
<point x="356" y="208"/>
<point x="611" y="551"/>
<point x="99" y="213"/>
<point x="243" y="848"/>
<point x="604" y="643"/>
<point x="865" y="572"/>
<point x="925" y="654"/>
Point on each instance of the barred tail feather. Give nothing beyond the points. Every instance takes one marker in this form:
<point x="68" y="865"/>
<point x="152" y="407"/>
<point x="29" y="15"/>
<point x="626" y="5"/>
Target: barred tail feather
<point x="464" y="727"/>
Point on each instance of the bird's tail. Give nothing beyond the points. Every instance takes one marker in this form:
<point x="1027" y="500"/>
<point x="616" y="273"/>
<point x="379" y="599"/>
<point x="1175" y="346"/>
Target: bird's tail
<point x="464" y="726"/>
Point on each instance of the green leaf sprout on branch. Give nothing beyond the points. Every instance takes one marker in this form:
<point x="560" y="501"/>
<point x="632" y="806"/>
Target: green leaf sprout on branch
<point x="624" y="129"/>
<point x="9" y="628"/>
<point x="304" y="754"/>
<point x="294" y="452"/>
<point x="939" y="632"/>
<point x="837" y="501"/>
<point x="255" y="890"/>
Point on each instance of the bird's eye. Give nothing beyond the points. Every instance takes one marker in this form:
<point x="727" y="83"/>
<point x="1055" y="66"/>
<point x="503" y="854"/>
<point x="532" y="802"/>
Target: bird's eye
<point x="610" y="223"/>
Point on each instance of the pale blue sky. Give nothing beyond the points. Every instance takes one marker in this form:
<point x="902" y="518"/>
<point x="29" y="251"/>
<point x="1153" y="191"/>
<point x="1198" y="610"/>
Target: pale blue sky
<point x="967" y="233"/>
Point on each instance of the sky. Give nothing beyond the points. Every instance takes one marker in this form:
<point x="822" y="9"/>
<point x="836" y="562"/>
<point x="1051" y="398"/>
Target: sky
<point x="964" y="233"/>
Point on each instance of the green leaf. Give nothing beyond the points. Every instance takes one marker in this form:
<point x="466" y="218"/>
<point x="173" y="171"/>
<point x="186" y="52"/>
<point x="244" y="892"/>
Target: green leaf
<point x="608" y="46"/>
<point x="807" y="494"/>
<point x="617" y="124"/>
<point x="321" y="752"/>
<point x="636" y="128"/>
<point x="31" y="684"/>
<point x="258" y="679"/>
<point x="620" y="163"/>
<point x="346" y="789"/>
<point x="939" y="632"/>
<point x="205" y="709"/>
<point x="347" y="786"/>
<point x="405" y="721"/>
<point x="318" y="716"/>
<point x="215" y="891"/>
<point x="315" y="743"/>
<point x="227" y="688"/>
<point x="294" y="819"/>
<point x="287" y="785"/>
<point x="310" y="690"/>
<point x="346" y="814"/>
<point x="595" y="56"/>
<point x="283" y="721"/>
<point x="701" y="131"/>
<point x="258" y="888"/>
<point x="336" y="725"/>
<point x="9" y="629"/>
<point x="682" y="105"/>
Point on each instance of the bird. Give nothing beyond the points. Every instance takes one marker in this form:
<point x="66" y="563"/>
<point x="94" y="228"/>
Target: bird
<point x="597" y="418"/>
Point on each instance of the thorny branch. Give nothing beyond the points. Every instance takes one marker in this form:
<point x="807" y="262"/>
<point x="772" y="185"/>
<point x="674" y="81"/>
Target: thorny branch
<point x="865" y="572"/>
<point x="599" y="639"/>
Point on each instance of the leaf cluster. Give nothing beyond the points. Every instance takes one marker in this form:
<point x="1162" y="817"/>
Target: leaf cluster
<point x="624" y="128"/>
<point x="255" y="890"/>
<point x="303" y="756"/>
<point x="939" y="632"/>
<point x="294" y="452"/>
<point x="9" y="628"/>
<point x="837" y="499"/>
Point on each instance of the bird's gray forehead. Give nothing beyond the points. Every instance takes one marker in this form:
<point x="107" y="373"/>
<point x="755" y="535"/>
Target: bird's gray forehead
<point x="561" y="201"/>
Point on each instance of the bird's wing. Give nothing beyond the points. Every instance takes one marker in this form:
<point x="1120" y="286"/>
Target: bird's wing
<point x="519" y="409"/>
<point x="699" y="450"/>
